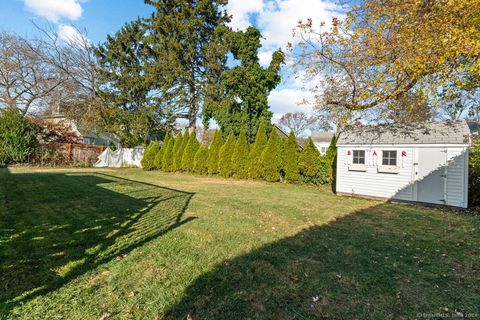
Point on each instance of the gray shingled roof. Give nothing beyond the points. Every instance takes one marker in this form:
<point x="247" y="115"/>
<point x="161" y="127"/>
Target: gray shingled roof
<point x="446" y="132"/>
<point x="322" y="136"/>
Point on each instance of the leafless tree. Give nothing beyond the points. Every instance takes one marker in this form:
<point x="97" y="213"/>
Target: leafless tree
<point x="79" y="96"/>
<point x="298" y="122"/>
<point x="26" y="76"/>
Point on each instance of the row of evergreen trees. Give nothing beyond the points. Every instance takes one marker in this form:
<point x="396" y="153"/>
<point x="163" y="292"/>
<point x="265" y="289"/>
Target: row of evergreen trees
<point x="270" y="157"/>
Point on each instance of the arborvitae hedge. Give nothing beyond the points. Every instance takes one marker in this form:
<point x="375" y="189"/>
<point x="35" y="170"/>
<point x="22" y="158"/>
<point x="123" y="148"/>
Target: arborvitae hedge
<point x="178" y="155"/>
<point x="189" y="153"/>
<point x="240" y="156"/>
<point x="290" y="158"/>
<point x="331" y="160"/>
<point x="278" y="158"/>
<point x="167" y="162"/>
<point x="158" y="162"/>
<point x="213" y="153"/>
<point x="148" y="160"/>
<point x="200" y="160"/>
<point x="271" y="158"/>
<point x="312" y="167"/>
<point x="474" y="175"/>
<point x="176" y="147"/>
<point x="225" y="166"/>
<point x="254" y="168"/>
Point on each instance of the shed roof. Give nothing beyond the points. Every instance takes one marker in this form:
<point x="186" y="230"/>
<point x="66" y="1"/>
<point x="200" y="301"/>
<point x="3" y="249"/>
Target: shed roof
<point x="322" y="136"/>
<point x="445" y="132"/>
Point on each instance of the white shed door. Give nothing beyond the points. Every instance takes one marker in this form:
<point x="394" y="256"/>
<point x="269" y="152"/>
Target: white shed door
<point x="431" y="175"/>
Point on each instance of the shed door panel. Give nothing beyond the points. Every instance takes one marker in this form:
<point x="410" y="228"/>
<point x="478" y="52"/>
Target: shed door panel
<point x="431" y="175"/>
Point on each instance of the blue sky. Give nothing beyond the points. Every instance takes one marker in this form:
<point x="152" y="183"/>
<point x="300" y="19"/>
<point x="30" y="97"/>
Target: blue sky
<point x="275" y="18"/>
<point x="99" y="17"/>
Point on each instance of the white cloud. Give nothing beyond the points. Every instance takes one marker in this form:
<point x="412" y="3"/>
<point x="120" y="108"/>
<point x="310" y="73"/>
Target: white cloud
<point x="70" y="34"/>
<point x="54" y="10"/>
<point x="282" y="101"/>
<point x="265" y="57"/>
<point x="240" y="10"/>
<point x="278" y="20"/>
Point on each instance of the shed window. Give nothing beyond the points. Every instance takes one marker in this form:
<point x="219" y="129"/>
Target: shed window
<point x="389" y="158"/>
<point x="358" y="156"/>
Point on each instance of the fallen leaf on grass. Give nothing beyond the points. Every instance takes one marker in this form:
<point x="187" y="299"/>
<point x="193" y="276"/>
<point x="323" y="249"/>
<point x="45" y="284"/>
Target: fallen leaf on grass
<point x="106" y="315"/>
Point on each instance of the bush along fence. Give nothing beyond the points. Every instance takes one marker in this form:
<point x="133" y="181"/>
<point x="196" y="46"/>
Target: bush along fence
<point x="24" y="141"/>
<point x="270" y="158"/>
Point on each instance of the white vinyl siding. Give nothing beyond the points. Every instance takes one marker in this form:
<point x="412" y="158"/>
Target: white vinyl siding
<point x="401" y="184"/>
<point x="370" y="182"/>
<point x="457" y="163"/>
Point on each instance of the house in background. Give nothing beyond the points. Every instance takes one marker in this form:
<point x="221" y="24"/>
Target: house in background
<point x="424" y="163"/>
<point x="87" y="137"/>
<point x="322" y="141"/>
<point x="474" y="128"/>
<point x="102" y="139"/>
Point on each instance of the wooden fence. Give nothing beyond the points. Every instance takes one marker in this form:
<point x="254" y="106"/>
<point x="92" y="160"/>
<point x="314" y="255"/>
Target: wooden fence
<point x="59" y="154"/>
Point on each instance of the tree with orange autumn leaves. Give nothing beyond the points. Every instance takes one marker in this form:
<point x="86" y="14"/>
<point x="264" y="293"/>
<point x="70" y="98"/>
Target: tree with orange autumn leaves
<point x="383" y="50"/>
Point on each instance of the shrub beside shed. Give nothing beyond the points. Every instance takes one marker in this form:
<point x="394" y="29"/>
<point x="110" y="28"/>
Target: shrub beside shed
<point x="422" y="163"/>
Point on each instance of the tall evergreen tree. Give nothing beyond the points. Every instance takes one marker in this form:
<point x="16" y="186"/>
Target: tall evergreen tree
<point x="189" y="55"/>
<point x="213" y="153"/>
<point x="271" y="158"/>
<point x="312" y="168"/>
<point x="254" y="170"/>
<point x="200" y="160"/>
<point x="189" y="153"/>
<point x="240" y="156"/>
<point x="290" y="158"/>
<point x="178" y="155"/>
<point x="168" y="64"/>
<point x="129" y="108"/>
<point x="225" y="165"/>
<point x="248" y="81"/>
<point x="167" y="161"/>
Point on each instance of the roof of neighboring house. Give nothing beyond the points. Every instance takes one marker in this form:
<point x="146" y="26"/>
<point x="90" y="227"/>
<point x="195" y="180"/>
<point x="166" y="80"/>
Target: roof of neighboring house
<point x="322" y="136"/>
<point x="446" y="132"/>
<point x="474" y="127"/>
<point x="284" y="135"/>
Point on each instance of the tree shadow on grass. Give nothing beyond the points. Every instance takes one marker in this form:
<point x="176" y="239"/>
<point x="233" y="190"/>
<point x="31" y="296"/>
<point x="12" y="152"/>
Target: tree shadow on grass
<point x="386" y="262"/>
<point x="55" y="227"/>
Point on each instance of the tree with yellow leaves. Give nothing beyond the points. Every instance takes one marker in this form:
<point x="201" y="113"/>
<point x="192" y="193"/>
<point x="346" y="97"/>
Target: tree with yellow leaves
<point x="384" y="49"/>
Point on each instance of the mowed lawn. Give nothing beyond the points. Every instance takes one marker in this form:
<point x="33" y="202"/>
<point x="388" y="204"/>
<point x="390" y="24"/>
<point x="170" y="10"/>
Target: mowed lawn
<point x="127" y="244"/>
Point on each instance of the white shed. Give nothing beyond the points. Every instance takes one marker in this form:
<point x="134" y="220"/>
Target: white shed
<point x="425" y="162"/>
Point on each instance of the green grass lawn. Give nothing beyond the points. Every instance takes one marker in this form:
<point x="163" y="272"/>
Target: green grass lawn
<point x="78" y="244"/>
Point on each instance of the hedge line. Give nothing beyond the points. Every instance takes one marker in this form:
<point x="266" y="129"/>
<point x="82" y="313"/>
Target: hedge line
<point x="270" y="158"/>
<point x="474" y="175"/>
